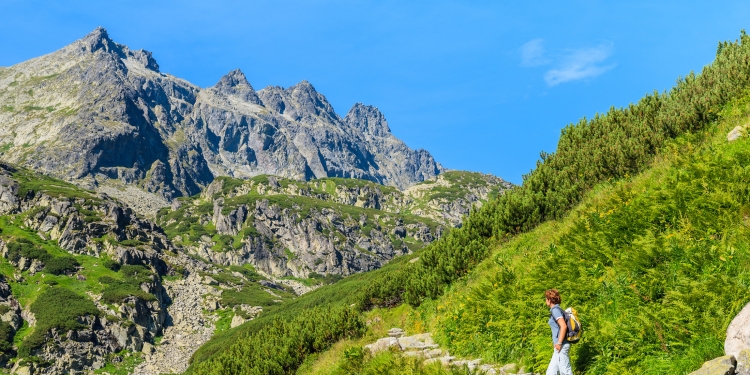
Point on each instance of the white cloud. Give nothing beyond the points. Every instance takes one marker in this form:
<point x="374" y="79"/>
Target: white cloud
<point x="533" y="53"/>
<point x="579" y="64"/>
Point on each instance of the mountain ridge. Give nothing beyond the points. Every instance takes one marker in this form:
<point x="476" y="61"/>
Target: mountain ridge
<point x="96" y="111"/>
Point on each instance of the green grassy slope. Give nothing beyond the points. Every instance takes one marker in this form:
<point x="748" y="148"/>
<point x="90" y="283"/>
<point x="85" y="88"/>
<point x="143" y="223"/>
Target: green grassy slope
<point x="657" y="266"/>
<point x="661" y="255"/>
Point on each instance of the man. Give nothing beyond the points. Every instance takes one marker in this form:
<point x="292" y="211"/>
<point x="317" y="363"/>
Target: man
<point x="560" y="360"/>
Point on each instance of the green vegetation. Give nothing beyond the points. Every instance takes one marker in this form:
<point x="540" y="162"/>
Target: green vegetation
<point x="56" y="308"/>
<point x="657" y="264"/>
<point x="128" y="285"/>
<point x="8" y="108"/>
<point x="56" y="265"/>
<point x="459" y="181"/>
<point x="249" y="295"/>
<point x="36" y="80"/>
<point x="30" y="181"/>
<point x="289" y="341"/>
<point x="55" y="297"/>
<point x="358" y="361"/>
<point x="121" y="363"/>
<point x="6" y="337"/>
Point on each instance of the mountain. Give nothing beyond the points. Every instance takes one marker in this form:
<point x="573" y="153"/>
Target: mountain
<point x="99" y="114"/>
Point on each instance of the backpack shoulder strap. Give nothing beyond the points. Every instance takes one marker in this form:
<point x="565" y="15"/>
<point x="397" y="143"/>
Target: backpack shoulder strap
<point x="561" y="312"/>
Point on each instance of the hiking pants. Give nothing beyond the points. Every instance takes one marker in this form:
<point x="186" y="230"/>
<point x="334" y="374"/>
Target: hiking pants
<point x="560" y="361"/>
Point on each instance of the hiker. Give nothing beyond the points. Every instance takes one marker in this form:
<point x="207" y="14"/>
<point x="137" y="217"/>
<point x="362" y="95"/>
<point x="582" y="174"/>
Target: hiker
<point x="560" y="360"/>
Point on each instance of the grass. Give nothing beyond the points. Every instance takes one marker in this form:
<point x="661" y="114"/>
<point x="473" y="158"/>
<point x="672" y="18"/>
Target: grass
<point x="30" y="181"/>
<point x="56" y="307"/>
<point x="124" y="366"/>
<point x="252" y="295"/>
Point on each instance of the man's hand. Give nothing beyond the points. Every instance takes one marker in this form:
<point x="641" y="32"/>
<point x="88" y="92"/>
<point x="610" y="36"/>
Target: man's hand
<point x="558" y="347"/>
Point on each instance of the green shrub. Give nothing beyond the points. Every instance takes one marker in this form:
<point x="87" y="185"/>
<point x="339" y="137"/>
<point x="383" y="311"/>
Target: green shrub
<point x="130" y="243"/>
<point x="111" y="264"/>
<point x="115" y="291"/>
<point x="21" y="247"/>
<point x="289" y="341"/>
<point x="61" y="265"/>
<point x="248" y="271"/>
<point x="56" y="308"/>
<point x="6" y="337"/>
<point x="249" y="295"/>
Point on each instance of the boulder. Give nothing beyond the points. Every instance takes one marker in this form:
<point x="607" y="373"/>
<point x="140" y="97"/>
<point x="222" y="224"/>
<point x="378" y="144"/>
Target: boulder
<point x="743" y="362"/>
<point x="510" y="368"/>
<point x="383" y="344"/>
<point x="236" y="321"/>
<point x="738" y="333"/>
<point x="718" y="366"/>
<point x="735" y="134"/>
<point x="396" y="332"/>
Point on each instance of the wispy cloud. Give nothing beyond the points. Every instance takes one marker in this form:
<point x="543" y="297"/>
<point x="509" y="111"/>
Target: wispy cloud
<point x="580" y="64"/>
<point x="533" y="53"/>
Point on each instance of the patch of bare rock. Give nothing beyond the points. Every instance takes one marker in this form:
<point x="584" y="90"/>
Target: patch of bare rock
<point x="192" y="323"/>
<point x="422" y="346"/>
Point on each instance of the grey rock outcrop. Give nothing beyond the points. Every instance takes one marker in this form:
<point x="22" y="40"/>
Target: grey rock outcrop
<point x="735" y="133"/>
<point x="738" y="333"/>
<point x="718" y="366"/>
<point x="96" y="111"/>
<point x="743" y="362"/>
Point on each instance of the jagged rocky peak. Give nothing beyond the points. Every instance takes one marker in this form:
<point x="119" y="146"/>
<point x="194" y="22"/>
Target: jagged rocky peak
<point x="144" y="58"/>
<point x="368" y="119"/>
<point x="98" y="40"/>
<point x="301" y="102"/>
<point x="235" y="83"/>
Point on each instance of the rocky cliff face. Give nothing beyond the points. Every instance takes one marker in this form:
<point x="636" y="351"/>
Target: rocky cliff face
<point x="86" y="230"/>
<point x="96" y="111"/>
<point x="285" y="227"/>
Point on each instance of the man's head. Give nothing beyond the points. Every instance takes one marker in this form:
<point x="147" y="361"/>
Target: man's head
<point x="552" y="296"/>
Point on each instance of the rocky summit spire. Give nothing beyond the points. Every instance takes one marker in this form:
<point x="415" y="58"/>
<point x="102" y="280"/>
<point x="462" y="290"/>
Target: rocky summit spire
<point x="235" y="83"/>
<point x="368" y="119"/>
<point x="311" y="101"/>
<point x="96" y="40"/>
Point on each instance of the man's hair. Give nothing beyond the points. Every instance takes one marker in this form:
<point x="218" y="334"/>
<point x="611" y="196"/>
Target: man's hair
<point x="553" y="296"/>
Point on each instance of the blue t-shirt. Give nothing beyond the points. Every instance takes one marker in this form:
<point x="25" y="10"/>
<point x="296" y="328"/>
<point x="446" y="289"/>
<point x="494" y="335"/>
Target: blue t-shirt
<point x="556" y="313"/>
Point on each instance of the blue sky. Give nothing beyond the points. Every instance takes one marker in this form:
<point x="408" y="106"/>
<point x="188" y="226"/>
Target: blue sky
<point x="483" y="85"/>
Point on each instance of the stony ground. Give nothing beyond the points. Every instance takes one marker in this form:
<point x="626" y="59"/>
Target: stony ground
<point x="191" y="326"/>
<point x="422" y="346"/>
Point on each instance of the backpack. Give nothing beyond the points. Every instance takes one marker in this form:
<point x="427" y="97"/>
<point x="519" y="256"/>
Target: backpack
<point x="574" y="324"/>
